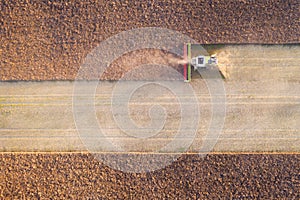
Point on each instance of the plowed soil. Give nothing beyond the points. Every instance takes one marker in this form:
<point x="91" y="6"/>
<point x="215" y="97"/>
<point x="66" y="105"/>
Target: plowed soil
<point x="48" y="40"/>
<point x="79" y="176"/>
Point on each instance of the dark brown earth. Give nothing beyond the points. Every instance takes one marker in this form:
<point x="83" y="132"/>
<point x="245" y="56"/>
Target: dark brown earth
<point x="79" y="176"/>
<point x="48" y="40"/>
<point x="149" y="64"/>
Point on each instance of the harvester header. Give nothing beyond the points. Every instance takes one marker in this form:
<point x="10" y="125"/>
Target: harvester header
<point x="197" y="57"/>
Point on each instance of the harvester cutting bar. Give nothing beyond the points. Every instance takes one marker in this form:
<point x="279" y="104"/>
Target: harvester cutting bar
<point x="187" y="66"/>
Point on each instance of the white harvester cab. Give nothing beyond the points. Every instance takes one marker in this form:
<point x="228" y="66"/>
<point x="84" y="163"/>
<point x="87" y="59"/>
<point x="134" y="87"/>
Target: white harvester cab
<point x="201" y="61"/>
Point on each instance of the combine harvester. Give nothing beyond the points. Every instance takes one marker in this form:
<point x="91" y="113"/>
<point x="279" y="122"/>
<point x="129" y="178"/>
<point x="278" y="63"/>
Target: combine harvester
<point x="195" y="55"/>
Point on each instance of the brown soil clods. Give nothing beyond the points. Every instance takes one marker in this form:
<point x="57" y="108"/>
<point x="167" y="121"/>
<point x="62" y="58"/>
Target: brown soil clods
<point x="69" y="176"/>
<point x="48" y="40"/>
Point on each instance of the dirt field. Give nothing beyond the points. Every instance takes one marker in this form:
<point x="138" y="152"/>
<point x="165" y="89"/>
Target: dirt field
<point x="77" y="176"/>
<point x="262" y="114"/>
<point x="48" y="40"/>
<point x="256" y="155"/>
